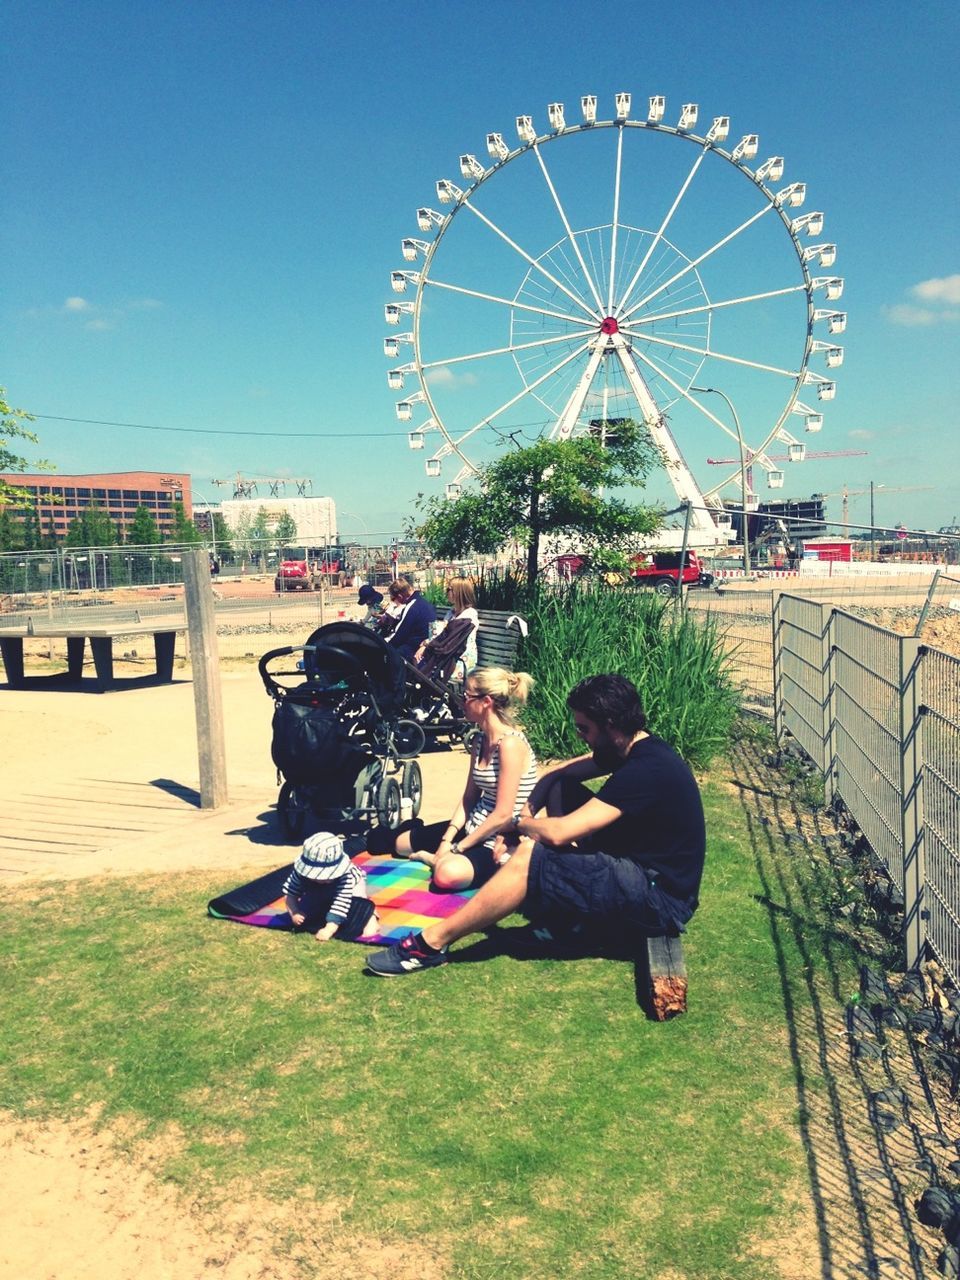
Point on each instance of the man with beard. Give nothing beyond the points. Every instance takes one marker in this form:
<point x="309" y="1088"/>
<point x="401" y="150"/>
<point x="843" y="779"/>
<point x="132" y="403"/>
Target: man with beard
<point x="626" y="859"/>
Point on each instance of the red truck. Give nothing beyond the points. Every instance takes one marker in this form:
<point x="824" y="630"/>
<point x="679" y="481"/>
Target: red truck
<point x="295" y="575"/>
<point x="662" y="572"/>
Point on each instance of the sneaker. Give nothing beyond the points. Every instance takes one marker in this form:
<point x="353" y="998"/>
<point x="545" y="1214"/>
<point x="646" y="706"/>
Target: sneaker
<point x="406" y="956"/>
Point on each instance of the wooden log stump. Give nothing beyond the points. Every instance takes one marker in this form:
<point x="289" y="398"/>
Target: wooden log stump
<point x="667" y="978"/>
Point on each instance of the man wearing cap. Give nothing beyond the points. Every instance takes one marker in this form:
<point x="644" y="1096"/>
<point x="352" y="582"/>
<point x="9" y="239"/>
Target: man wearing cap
<point x="325" y="885"/>
<point x="372" y="599"/>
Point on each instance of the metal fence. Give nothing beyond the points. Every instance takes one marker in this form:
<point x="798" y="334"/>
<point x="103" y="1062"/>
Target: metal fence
<point x="879" y="715"/>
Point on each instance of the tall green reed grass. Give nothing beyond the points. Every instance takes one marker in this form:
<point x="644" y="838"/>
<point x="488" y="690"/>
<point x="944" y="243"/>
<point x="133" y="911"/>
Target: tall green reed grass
<point x="581" y="629"/>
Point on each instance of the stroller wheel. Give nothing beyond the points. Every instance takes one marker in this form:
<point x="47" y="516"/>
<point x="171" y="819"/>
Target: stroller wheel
<point x="467" y="735"/>
<point x="388" y="804"/>
<point x="292" y="811"/>
<point x="411" y="786"/>
<point x="408" y="739"/>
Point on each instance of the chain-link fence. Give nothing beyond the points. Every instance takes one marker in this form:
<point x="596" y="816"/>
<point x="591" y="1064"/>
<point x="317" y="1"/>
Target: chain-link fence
<point x="879" y="714"/>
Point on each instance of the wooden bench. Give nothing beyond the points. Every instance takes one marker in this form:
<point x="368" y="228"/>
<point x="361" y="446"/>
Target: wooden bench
<point x="662" y="978"/>
<point x="498" y="645"/>
<point x="163" y="630"/>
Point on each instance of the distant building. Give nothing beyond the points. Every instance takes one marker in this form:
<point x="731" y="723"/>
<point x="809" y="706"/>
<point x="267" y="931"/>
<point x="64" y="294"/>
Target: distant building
<point x="315" y="518"/>
<point x="59" y="499"/>
<point x="792" y="518"/>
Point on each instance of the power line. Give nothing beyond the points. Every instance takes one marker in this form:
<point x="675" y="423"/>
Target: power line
<point x="211" y="431"/>
<point x="286" y="435"/>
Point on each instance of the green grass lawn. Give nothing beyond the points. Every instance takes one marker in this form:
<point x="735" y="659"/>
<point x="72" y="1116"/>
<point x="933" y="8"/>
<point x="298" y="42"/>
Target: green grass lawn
<point x="521" y="1117"/>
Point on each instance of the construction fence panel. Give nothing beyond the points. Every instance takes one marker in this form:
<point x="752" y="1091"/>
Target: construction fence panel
<point x="866" y="677"/>
<point x="802" y="675"/>
<point x="940" y="780"/>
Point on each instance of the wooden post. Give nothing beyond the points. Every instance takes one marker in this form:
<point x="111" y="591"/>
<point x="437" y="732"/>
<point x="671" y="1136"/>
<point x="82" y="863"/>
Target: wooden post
<point x="662" y="978"/>
<point x="202" y="630"/>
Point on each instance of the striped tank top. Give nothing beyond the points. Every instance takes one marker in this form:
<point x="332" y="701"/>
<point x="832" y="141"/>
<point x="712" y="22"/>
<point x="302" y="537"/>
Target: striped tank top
<point x="485" y="778"/>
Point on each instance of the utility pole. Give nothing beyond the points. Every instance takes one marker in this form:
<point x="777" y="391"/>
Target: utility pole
<point x="873" y="535"/>
<point x="743" y="473"/>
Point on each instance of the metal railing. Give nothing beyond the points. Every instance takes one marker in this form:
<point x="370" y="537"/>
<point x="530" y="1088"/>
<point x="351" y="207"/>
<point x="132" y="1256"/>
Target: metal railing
<point x="879" y="715"/>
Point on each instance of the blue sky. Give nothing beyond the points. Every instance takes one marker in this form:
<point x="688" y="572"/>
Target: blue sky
<point x="203" y="203"/>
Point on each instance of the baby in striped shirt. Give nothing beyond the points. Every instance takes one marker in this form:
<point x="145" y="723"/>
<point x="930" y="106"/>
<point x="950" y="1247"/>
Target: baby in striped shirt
<point x="325" y="886"/>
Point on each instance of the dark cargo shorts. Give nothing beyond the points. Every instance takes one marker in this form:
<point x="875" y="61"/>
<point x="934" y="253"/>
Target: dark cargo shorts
<point x="599" y="888"/>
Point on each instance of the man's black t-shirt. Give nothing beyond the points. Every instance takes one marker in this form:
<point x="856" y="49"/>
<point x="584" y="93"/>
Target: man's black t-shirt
<point x="662" y="826"/>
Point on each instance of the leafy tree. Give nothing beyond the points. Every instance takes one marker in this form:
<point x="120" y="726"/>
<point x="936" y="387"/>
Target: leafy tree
<point x="222" y="535"/>
<point x="285" y="531"/>
<point x="240" y="535"/>
<point x="549" y="491"/>
<point x="260" y="537"/>
<point x="11" y="429"/>
<point x="184" y="530"/>
<point x="30" y="530"/>
<point x="9" y="533"/>
<point x="92" y="528"/>
<point x="143" y="530"/>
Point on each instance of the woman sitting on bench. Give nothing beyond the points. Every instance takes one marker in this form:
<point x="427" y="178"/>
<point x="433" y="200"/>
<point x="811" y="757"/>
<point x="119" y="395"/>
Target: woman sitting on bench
<point x="432" y="654"/>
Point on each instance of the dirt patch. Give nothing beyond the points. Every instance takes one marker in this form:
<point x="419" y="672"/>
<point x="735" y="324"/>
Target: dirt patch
<point x="76" y="1207"/>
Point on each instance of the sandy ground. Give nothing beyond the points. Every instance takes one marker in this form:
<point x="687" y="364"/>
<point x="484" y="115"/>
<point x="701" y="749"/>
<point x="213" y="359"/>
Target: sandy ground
<point x="108" y="784"/>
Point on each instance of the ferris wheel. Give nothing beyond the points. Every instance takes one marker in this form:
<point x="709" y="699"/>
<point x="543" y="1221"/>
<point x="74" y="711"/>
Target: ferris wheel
<point x="629" y="277"/>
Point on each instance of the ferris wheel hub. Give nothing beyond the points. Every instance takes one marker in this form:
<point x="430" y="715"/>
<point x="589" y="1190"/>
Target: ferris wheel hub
<point x="609" y="326"/>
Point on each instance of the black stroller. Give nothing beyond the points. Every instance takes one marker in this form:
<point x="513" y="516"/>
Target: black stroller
<point x="343" y="742"/>
<point x="433" y="698"/>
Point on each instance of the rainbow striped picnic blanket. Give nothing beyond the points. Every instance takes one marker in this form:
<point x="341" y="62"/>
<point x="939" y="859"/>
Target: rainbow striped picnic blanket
<point x="399" y="889"/>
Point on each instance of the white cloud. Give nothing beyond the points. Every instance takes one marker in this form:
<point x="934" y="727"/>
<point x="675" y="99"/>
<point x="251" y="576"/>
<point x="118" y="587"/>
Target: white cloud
<point x="906" y="314"/>
<point x="444" y="377"/>
<point x="860" y="433"/>
<point x="106" y="317"/>
<point x="946" y="290"/>
<point x="936" y="302"/>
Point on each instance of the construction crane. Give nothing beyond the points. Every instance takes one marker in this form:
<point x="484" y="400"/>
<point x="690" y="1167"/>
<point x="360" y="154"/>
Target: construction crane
<point x="246" y="487"/>
<point x="809" y="454"/>
<point x="846" y="494"/>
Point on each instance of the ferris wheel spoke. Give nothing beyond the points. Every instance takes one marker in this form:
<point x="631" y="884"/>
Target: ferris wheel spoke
<point x="500" y="351"/>
<point x="652" y="247"/>
<point x="584" y="306"/>
<point x="690" y="266"/>
<point x="508" y="404"/>
<point x="717" y="355"/>
<point x="616" y="221"/>
<point x="513" y="305"/>
<point x="566" y="226"/>
<point x="662" y="373"/>
<point x="654" y="317"/>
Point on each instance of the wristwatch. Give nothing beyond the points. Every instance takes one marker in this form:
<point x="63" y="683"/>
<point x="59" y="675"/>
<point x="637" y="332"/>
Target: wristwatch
<point x="455" y="847"/>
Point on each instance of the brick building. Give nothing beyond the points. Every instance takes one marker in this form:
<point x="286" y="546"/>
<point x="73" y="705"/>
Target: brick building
<point x="59" y="499"/>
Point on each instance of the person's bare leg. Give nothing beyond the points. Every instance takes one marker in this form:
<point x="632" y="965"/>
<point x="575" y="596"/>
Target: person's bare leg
<point x="498" y="898"/>
<point x="451" y="872"/>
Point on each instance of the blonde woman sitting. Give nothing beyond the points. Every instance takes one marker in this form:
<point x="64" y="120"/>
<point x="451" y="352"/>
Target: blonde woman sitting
<point x="503" y="772"/>
<point x="462" y="598"/>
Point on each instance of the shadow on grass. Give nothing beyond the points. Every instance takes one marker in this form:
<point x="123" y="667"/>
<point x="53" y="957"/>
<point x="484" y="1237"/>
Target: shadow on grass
<point x="862" y="1180"/>
<point x="519" y="942"/>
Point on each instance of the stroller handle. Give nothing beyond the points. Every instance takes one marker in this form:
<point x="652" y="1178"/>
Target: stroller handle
<point x="268" y="657"/>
